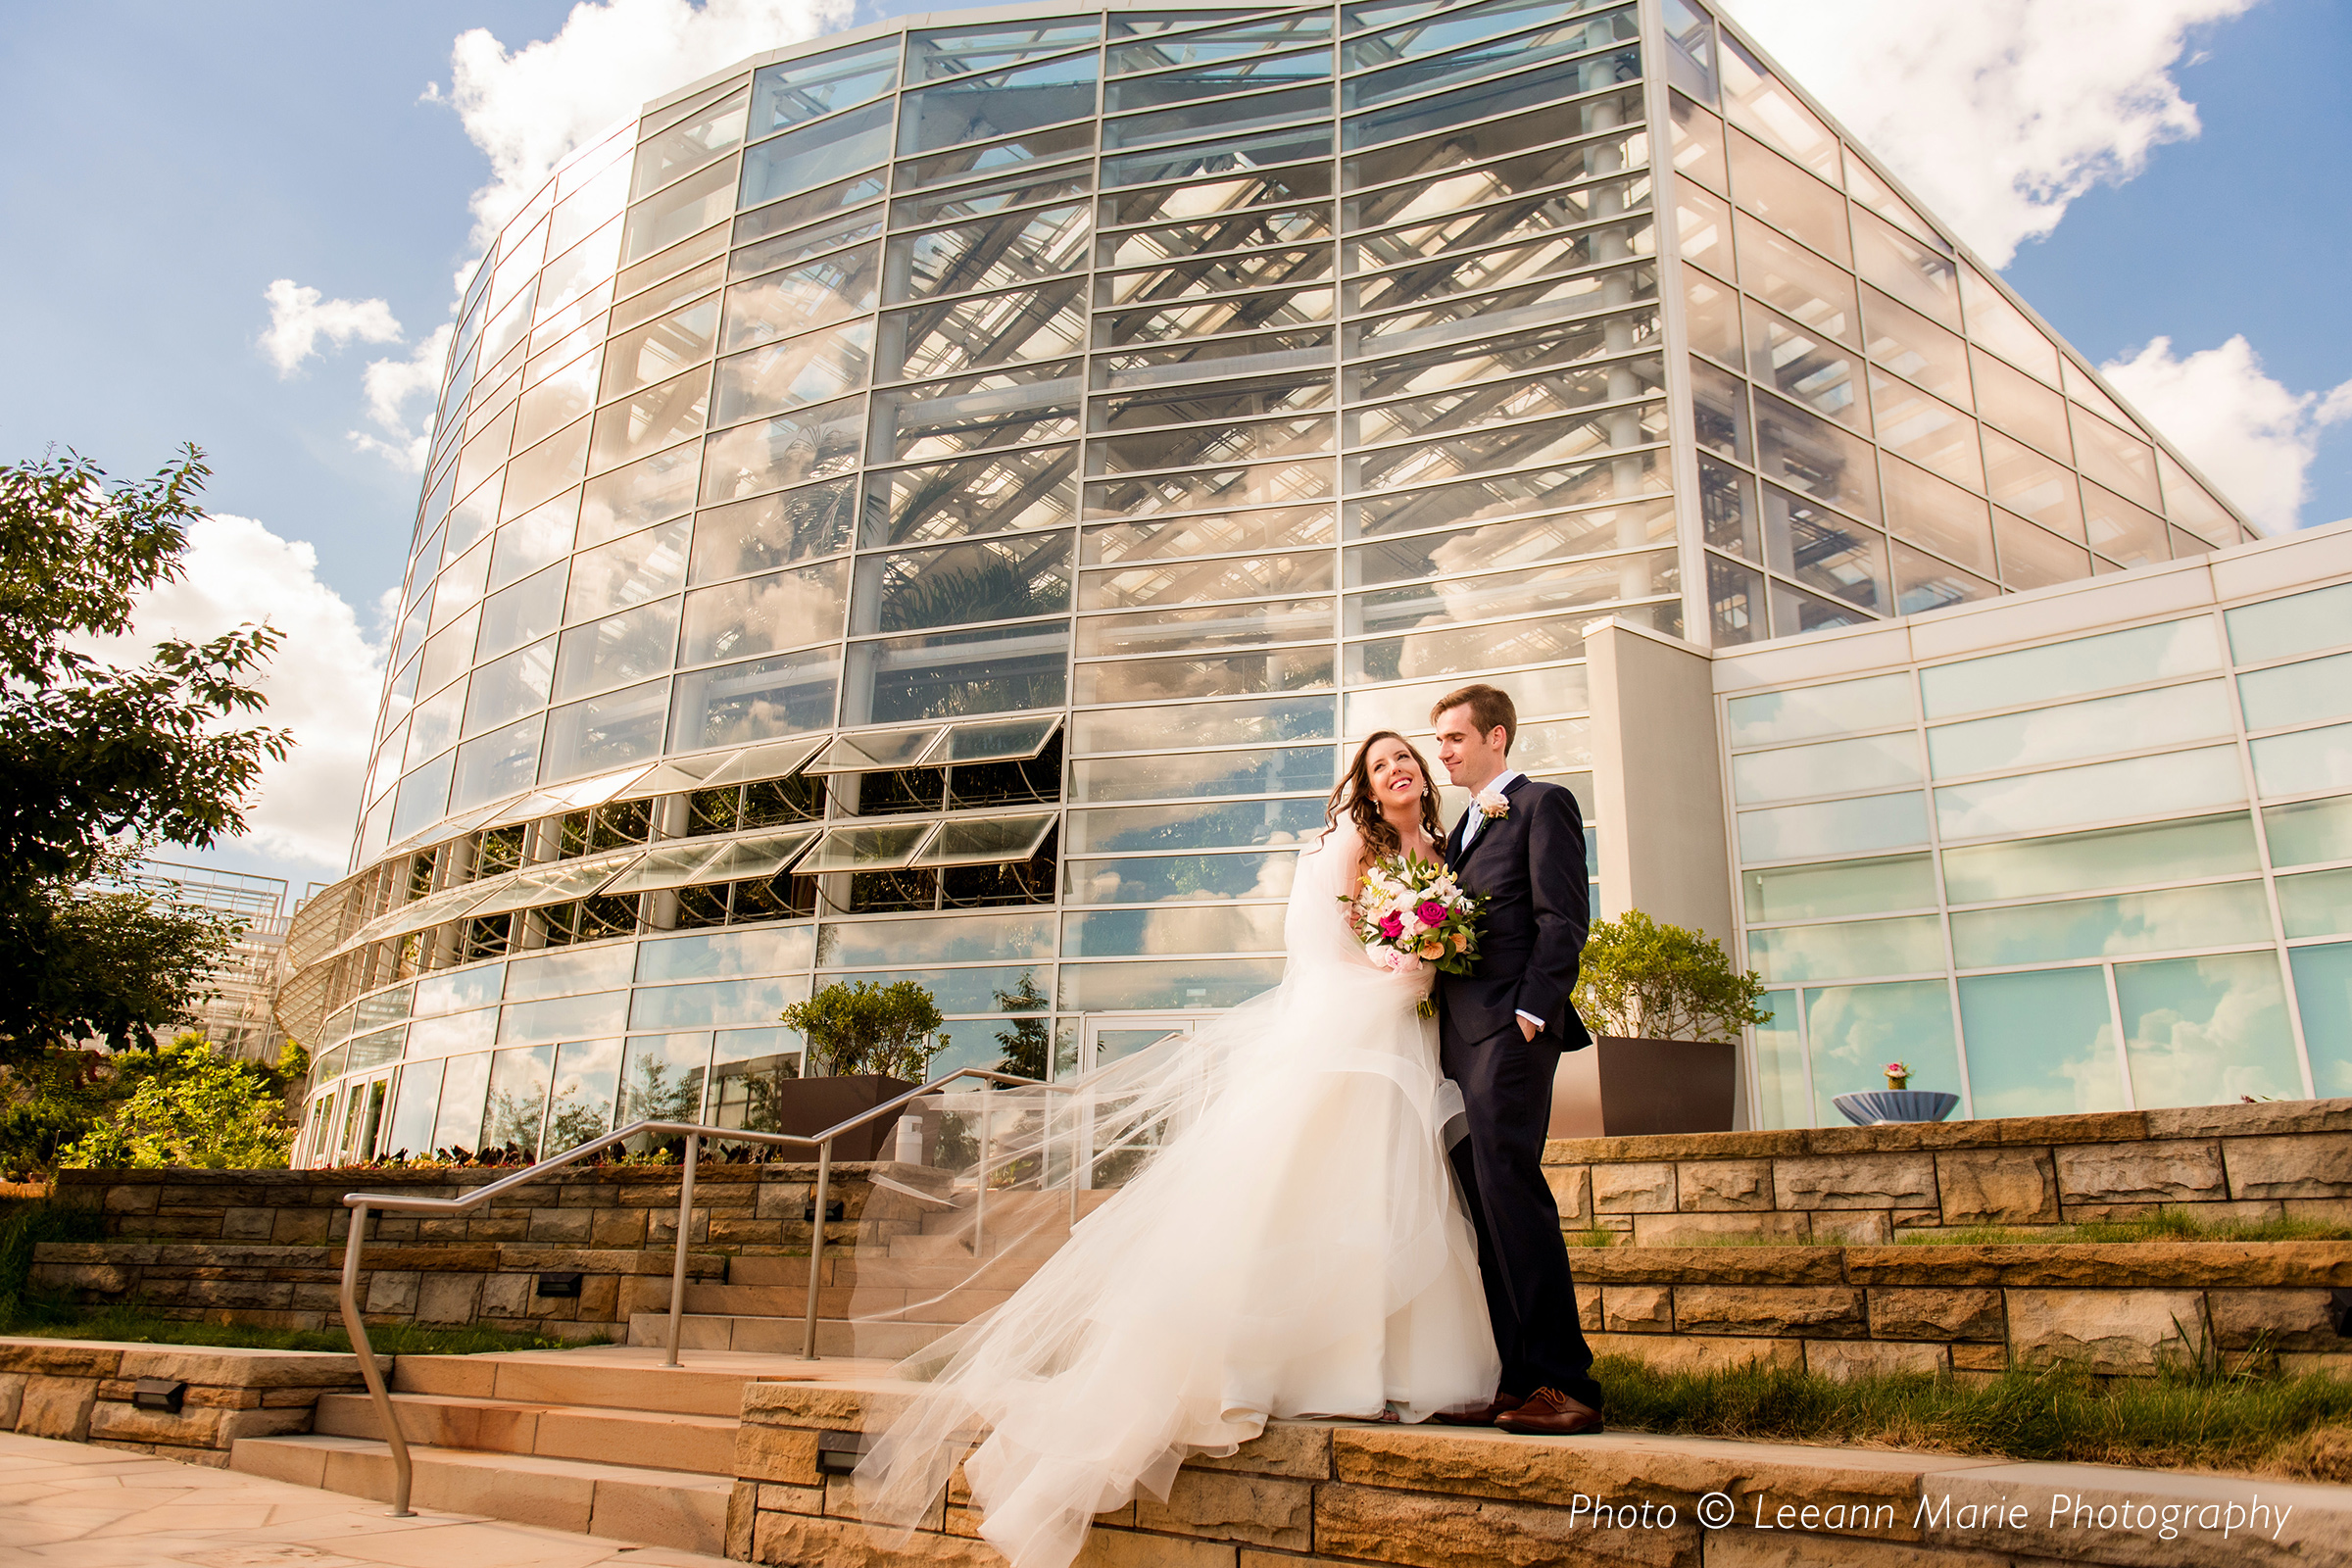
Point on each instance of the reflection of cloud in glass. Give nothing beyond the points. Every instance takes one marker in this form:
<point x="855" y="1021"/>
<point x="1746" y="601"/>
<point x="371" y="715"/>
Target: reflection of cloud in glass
<point x="1854" y="1030"/>
<point x="2205" y="1030"/>
<point x="2039" y="1043"/>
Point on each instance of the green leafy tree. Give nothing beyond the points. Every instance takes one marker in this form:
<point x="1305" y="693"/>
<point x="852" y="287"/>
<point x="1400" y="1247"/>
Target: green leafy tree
<point x="195" y="1108"/>
<point x="1027" y="1043"/>
<point x="97" y="760"/>
<point x="862" y="1028"/>
<point x="1663" y="982"/>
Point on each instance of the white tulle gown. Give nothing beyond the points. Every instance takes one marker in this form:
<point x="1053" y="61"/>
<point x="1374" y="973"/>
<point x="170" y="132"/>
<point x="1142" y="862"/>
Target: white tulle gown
<point x="1292" y="1245"/>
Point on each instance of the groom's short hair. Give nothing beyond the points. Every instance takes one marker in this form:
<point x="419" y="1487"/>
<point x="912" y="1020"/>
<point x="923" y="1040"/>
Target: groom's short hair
<point x="1490" y="706"/>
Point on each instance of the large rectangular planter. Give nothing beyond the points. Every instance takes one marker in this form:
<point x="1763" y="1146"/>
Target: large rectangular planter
<point x="809" y="1106"/>
<point x="1620" y="1088"/>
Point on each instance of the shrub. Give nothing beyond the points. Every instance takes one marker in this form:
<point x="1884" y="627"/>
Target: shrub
<point x="1645" y="980"/>
<point x="196" y="1108"/>
<point x="863" y="1027"/>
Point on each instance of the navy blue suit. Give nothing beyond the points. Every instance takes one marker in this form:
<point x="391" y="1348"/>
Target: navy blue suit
<point x="1529" y="867"/>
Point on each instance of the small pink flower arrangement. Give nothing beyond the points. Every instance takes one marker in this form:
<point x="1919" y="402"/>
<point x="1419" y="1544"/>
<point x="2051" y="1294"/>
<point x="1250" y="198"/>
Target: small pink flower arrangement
<point x="1898" y="1075"/>
<point x="1409" y="912"/>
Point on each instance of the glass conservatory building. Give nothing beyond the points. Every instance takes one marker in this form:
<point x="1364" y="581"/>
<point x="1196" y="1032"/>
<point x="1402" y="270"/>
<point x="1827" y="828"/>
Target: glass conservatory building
<point x="936" y="501"/>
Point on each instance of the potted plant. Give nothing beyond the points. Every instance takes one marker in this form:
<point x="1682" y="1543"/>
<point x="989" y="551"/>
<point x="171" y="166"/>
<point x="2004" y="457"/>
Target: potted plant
<point x="866" y="1044"/>
<point x="1665" y="1008"/>
<point x="1898" y="1075"/>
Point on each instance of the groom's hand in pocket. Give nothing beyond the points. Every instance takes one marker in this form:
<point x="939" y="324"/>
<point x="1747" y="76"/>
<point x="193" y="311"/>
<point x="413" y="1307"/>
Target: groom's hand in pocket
<point x="1527" y="1027"/>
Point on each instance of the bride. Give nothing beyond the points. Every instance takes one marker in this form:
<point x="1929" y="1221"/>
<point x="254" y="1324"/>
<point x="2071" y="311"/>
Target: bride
<point x="1287" y="1241"/>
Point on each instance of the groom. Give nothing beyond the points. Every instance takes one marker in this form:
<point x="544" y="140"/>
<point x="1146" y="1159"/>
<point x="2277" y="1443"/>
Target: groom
<point x="1500" y="1031"/>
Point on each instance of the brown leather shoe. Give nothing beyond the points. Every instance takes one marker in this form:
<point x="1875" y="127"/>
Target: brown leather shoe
<point x="1550" y="1413"/>
<point x="1480" y="1415"/>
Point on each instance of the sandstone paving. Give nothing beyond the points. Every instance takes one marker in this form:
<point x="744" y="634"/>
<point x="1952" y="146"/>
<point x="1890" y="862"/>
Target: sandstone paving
<point x="68" y="1505"/>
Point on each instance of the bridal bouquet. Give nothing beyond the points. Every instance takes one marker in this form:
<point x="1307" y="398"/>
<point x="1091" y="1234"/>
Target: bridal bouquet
<point x="1409" y="912"/>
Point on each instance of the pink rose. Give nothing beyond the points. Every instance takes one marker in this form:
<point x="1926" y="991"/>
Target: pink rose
<point x="1432" y="912"/>
<point x="1392" y="925"/>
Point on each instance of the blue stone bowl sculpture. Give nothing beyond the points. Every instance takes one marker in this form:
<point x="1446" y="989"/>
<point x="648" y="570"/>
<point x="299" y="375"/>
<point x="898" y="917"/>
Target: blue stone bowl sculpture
<point x="1895" y="1105"/>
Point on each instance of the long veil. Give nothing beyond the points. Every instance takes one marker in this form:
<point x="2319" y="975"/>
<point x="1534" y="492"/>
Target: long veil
<point x="1255" y="1216"/>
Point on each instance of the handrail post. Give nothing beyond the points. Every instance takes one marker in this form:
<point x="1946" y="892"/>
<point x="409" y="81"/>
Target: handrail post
<point x="365" y="1353"/>
<point x="817" y="1247"/>
<point x="980" y="1187"/>
<point x="677" y="1270"/>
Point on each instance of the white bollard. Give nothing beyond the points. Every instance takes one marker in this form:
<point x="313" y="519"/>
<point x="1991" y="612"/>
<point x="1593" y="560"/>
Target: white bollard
<point x="910" y="1140"/>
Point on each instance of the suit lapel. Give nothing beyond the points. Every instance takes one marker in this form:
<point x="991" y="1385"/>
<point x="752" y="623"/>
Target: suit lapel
<point x="1488" y="829"/>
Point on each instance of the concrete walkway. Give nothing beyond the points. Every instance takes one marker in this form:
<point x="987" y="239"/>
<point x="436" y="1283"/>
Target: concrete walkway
<point x="70" y="1505"/>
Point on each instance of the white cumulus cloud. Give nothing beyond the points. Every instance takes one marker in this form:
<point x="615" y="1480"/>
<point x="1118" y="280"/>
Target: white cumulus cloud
<point x="2250" y="435"/>
<point x="527" y="108"/>
<point x="300" y="317"/>
<point x="322" y="683"/>
<point x="391" y="386"/>
<point x="1999" y="113"/>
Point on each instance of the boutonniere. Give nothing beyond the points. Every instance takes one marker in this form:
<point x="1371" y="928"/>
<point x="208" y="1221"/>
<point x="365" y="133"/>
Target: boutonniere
<point x="1492" y="804"/>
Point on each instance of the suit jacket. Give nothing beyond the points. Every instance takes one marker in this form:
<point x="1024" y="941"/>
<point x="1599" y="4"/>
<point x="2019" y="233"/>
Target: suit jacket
<point x="1529" y="867"/>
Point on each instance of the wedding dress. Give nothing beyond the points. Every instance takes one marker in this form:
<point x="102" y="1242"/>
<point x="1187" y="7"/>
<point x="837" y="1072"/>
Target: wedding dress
<point x="1288" y="1241"/>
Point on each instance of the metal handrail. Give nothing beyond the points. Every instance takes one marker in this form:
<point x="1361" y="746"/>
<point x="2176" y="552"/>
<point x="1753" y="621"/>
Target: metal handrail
<point x="360" y="1202"/>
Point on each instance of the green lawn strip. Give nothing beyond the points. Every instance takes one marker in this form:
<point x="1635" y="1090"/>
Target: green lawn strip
<point x="127" y="1323"/>
<point x="2167" y="1225"/>
<point x="2185" y="1418"/>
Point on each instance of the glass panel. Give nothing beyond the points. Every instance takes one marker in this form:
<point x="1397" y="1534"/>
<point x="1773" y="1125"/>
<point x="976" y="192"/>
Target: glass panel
<point x="966" y="334"/>
<point x="1562" y="689"/>
<point x="412" y="1108"/>
<point x="988" y="840"/>
<point x="446" y="653"/>
<point x="1927" y="431"/>
<point x="2185" y="781"/>
<point x="565" y="1015"/>
<point x="1834" y="827"/>
<point x="663" y="1080"/>
<point x="2025" y="481"/>
<point x="699" y="1007"/>
<point x="1811" y="454"/>
<point x="1164" y="631"/>
<point x="497" y="764"/>
<point x="1204" y="724"/>
<point x="817" y="155"/>
<point x="517" y="1104"/>
<point x="1794" y="614"/>
<point x="587" y="1075"/>
<point x="1718" y="406"/>
<point x="733" y="704"/>
<point x="1178" y="878"/>
<point x="797" y="90"/>
<point x="686" y="208"/>
<point x="767" y="949"/>
<point x="1938" y="515"/>
<point x="789" y="231"/>
<point x="2303" y="761"/>
<point x="2122" y="532"/>
<point x="1735" y="602"/>
<point x="2207" y="1031"/>
<point x="605" y="732"/>
<point x="2298" y="623"/>
<point x="942" y="418"/>
<point x="867" y="849"/>
<point x="807" y="444"/>
<point x="761" y="614"/>
<point x="1181" y="582"/>
<point x="1169" y="778"/>
<point x="2230" y="914"/>
<point x="1912" y="346"/>
<point x="949" y="674"/>
<point x="994" y="494"/>
<point x="2289" y="694"/>
<point x="464" y="1082"/>
<point x="423" y="795"/>
<point x="939" y="938"/>
<point x="1711" y="316"/>
<point x="788" y="303"/>
<point x="1136" y="987"/>
<point x="992" y="580"/>
<point x="1876" y="701"/>
<point x="1856" y="1030"/>
<point x="617" y="650"/>
<point x="1789" y="198"/>
<point x="2063" y="669"/>
<point x="522" y="613"/>
<point x="1796" y="282"/>
<point x="627" y="571"/>
<point x="2033" y="558"/>
<point x="761" y="856"/>
<point x="1704" y="229"/>
<point x="1841" y="887"/>
<point x="1825" y="550"/>
<point x="651" y="418"/>
<point x="1161" y="828"/>
<point x="1910" y="271"/>
<point x="2121" y="463"/>
<point x="1784" y="1096"/>
<point x="980" y="108"/>
<point x="2004" y="328"/>
<point x="1825" y="768"/>
<point x="1805" y="368"/>
<point x="1150" y="680"/>
<point x="771" y="532"/>
<point x="1697" y="143"/>
<point x="2142" y="719"/>
<point x="2187" y="504"/>
<point x="2323" y="992"/>
<point x="2116" y="856"/>
<point x="1509" y="543"/>
<point x="1019" y="248"/>
<point x="2020" y="405"/>
<point x="2041" y="1044"/>
<point x="1909" y="946"/>
<point x="1195" y="928"/>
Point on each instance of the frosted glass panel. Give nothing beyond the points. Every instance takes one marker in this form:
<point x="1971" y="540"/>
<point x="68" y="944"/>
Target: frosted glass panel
<point x="2324" y="994"/>
<point x="2297" y="694"/>
<point x="1782" y="1097"/>
<point x="2131" y="722"/>
<point x="1834" y="827"/>
<point x="1841" y="887"/>
<point x="2207" y="1031"/>
<point x="1838" y="708"/>
<point x="2230" y="914"/>
<point x="1855" y="948"/>
<point x="2309" y="832"/>
<point x="1855" y="1031"/>
<point x="2305" y="760"/>
<point x="1872" y="763"/>
<point x="2063" y="669"/>
<point x="2319" y="904"/>
<point x="2184" y="781"/>
<point x="2110" y="858"/>
<point x="2039" y="1044"/>
<point x="2296" y="625"/>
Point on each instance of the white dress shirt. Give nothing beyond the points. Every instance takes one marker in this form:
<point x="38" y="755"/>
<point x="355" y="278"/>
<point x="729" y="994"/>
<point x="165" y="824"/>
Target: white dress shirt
<point x="1473" y="820"/>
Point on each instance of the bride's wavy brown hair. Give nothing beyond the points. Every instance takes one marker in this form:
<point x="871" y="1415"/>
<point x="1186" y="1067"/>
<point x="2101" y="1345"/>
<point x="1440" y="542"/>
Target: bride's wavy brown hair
<point x="1352" y="796"/>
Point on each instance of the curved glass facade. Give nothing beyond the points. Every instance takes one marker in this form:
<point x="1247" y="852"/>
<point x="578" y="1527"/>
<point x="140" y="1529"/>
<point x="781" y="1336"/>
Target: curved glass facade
<point x="935" y="502"/>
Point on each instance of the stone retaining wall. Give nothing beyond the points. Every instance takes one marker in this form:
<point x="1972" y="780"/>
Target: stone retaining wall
<point x="79" y="1391"/>
<point x="2114" y="1309"/>
<point x="1443" y="1497"/>
<point x="266" y="1246"/>
<point x="2289" y="1160"/>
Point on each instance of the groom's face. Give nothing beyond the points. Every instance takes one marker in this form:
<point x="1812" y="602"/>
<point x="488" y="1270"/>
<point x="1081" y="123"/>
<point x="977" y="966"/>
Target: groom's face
<point x="1471" y="758"/>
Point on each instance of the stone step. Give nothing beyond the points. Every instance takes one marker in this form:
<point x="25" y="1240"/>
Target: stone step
<point x="784" y="1335"/>
<point x="938" y="1305"/>
<point x="861" y="1271"/>
<point x="620" y="1503"/>
<point x="1037" y="1247"/>
<point x="568" y="1378"/>
<point x="703" y="1444"/>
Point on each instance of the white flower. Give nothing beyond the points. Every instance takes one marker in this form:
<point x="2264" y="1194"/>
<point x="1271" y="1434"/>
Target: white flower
<point x="1492" y="804"/>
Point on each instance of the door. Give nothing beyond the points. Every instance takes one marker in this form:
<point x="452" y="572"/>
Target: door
<point x="1104" y="1038"/>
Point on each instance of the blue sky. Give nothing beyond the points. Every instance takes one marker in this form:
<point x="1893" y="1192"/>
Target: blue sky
<point x="164" y="164"/>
